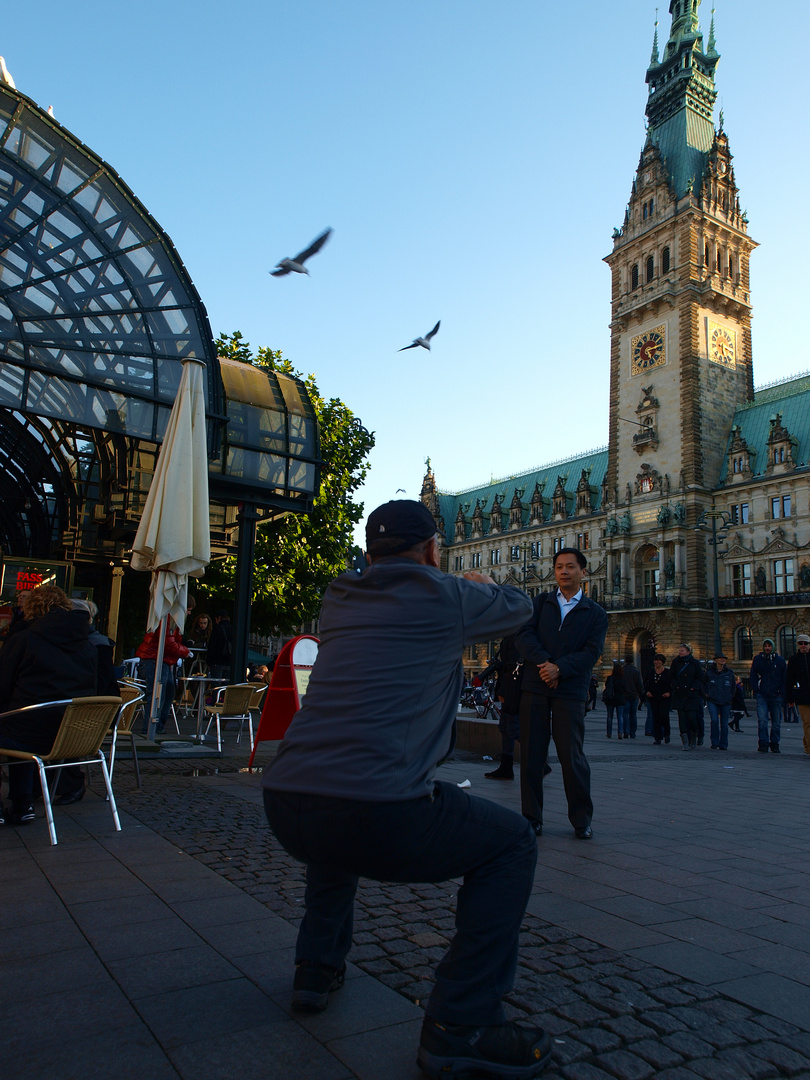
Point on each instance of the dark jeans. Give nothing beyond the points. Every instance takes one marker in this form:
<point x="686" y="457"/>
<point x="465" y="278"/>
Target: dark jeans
<point x="769" y="709"/>
<point x="21" y="775"/>
<point x="720" y="716"/>
<point x="631" y="709"/>
<point x="541" y="719"/>
<point x="447" y="835"/>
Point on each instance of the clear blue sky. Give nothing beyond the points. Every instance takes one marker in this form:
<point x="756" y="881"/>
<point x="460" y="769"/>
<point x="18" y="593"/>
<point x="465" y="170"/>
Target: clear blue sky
<point x="473" y="157"/>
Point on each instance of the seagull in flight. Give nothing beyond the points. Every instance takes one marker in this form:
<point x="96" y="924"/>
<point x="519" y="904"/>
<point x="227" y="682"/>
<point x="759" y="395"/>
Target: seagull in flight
<point x="296" y="264"/>
<point x="423" y="341"/>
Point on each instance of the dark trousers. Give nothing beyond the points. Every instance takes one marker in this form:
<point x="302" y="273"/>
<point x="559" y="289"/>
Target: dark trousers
<point x="660" y="719"/>
<point x="541" y="719"/>
<point x="447" y="835"/>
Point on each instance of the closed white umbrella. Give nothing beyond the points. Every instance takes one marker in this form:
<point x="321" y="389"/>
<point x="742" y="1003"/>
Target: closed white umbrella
<point x="174" y="538"/>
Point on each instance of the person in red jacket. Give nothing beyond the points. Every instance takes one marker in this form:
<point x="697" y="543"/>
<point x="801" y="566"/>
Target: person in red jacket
<point x="147" y="651"/>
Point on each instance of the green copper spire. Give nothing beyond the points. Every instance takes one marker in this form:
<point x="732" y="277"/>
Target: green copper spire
<point x="680" y="106"/>
<point x="712" y="50"/>
<point x="654" y="57"/>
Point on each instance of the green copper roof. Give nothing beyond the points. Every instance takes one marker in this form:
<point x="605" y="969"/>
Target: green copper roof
<point x="680" y="106"/>
<point x="791" y="398"/>
<point x="594" y="461"/>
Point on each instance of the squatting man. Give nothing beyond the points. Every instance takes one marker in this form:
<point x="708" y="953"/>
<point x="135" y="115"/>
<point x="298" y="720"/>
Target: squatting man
<point x="352" y="792"/>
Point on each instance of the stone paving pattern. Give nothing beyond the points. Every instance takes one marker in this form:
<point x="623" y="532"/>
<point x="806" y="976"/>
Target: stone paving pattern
<point x="673" y="945"/>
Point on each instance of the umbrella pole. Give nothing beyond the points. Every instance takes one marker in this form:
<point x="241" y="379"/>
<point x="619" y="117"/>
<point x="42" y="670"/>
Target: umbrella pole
<point x="154" y="712"/>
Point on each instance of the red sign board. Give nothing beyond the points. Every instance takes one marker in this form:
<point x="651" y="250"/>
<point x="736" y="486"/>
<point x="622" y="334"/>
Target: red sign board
<point x="288" y="685"/>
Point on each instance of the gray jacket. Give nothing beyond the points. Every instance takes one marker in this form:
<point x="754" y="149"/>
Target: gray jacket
<point x="381" y="703"/>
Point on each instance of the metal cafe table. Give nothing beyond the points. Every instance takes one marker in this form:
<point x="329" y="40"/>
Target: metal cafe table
<point x="199" y="683"/>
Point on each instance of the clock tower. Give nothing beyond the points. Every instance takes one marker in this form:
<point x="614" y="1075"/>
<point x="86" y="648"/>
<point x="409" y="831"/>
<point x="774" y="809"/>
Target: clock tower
<point x="681" y="310"/>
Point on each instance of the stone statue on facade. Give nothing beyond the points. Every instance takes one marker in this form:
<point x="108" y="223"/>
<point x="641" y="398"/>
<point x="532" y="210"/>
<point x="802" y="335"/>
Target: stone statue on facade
<point x="611" y="526"/>
<point x="669" y="573"/>
<point x="617" y="579"/>
<point x="679" y="513"/>
<point x="625" y="522"/>
<point x="664" y="514"/>
<point x="759" y="579"/>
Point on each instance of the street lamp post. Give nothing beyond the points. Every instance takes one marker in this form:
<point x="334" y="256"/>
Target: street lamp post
<point x="525" y="547"/>
<point x="714" y="515"/>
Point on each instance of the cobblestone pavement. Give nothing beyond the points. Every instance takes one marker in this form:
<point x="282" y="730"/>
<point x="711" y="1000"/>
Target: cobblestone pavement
<point x="612" y="1012"/>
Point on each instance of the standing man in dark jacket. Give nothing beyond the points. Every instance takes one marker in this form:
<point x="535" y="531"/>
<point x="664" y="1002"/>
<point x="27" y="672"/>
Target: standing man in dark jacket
<point x="686" y="676"/>
<point x="559" y="646"/>
<point x="768" y="677"/>
<point x="352" y="791"/>
<point x="798" y="684"/>
<point x="719" y="686"/>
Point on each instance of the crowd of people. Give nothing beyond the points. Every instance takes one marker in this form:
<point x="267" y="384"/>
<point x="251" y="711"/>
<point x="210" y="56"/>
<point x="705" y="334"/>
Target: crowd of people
<point x="690" y="689"/>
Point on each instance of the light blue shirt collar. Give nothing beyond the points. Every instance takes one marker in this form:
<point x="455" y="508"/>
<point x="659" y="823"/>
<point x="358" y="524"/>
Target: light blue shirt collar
<point x="567" y="605"/>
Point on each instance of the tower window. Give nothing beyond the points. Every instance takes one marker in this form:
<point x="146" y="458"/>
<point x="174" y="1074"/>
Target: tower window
<point x="634" y="277"/>
<point x="719" y="261"/>
<point x="706" y="255"/>
<point x="731" y="266"/>
<point x="665" y="260"/>
<point x="650" y="268"/>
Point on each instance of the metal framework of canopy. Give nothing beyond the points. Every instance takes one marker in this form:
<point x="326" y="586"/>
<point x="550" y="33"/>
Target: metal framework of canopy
<point x="97" y="313"/>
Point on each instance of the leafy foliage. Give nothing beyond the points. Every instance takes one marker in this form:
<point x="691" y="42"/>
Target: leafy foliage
<point x="297" y="557"/>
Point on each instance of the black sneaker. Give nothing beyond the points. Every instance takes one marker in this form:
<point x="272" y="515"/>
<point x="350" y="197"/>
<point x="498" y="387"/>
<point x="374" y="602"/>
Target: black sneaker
<point x="312" y="985"/>
<point x="20" y="817"/>
<point x="505" y="1050"/>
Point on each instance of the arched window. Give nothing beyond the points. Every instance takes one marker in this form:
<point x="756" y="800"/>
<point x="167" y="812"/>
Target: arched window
<point x="745" y="646"/>
<point x="650" y="268"/>
<point x="634" y="277"/>
<point x="665" y="260"/>
<point x="786" y="641"/>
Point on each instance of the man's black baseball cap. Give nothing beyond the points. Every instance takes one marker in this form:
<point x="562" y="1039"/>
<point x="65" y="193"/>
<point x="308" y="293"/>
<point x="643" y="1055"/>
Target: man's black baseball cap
<point x="398" y="525"/>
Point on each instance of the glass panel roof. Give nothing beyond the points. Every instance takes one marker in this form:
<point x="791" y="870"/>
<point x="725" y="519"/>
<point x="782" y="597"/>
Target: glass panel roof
<point x="97" y="313"/>
<point x="91" y="289"/>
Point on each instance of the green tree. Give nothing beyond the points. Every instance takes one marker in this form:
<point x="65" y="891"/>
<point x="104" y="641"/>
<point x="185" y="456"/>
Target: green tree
<point x="297" y="557"/>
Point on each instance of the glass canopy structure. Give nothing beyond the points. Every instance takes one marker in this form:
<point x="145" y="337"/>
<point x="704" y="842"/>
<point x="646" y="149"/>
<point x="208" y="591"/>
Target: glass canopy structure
<point x="97" y="315"/>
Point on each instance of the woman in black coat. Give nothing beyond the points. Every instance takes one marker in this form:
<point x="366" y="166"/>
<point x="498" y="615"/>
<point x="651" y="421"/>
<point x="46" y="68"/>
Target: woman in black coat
<point x="686" y="676"/>
<point x="658" y="691"/>
<point x="51" y="659"/>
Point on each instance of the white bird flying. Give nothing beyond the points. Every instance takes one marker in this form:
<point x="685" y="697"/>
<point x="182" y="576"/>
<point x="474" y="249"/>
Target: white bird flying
<point x="423" y="341"/>
<point x="296" y="265"/>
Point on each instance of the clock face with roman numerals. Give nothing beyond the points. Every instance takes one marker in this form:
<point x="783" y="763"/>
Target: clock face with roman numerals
<point x="722" y="345"/>
<point x="648" y="350"/>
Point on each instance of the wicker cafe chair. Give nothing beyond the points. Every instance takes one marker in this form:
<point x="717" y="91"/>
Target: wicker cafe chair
<point x="78" y="741"/>
<point x="232" y="703"/>
<point x="132" y="709"/>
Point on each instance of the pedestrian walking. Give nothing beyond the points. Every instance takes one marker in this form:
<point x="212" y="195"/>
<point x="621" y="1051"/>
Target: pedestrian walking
<point x="719" y="685"/>
<point x="798" y="685"/>
<point x="686" y="677"/>
<point x="768" y="678"/>
<point x="658" y="691"/>
<point x="634" y="694"/>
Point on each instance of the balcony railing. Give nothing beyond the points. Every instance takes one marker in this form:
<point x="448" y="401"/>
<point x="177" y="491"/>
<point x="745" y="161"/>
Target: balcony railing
<point x="788" y="599"/>
<point x="642" y="602"/>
